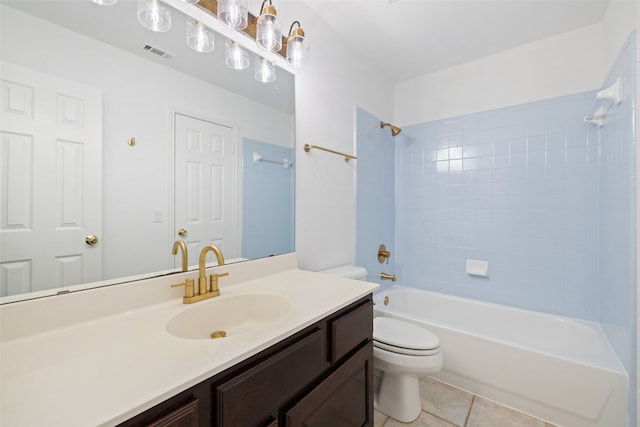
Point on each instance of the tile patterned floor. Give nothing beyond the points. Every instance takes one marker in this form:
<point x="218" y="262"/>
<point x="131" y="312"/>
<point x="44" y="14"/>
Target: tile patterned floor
<point x="446" y="406"/>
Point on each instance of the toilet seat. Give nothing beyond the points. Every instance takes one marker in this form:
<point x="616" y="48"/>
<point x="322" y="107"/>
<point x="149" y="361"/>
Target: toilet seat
<point x="402" y="337"/>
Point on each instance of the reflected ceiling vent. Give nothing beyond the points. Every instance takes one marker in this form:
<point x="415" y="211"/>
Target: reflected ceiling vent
<point x="157" y="51"/>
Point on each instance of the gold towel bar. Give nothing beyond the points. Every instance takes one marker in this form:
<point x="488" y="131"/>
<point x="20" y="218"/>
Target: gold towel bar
<point x="347" y="157"/>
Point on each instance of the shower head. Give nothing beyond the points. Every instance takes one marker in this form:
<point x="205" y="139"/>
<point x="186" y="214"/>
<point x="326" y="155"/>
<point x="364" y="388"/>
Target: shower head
<point x="394" y="129"/>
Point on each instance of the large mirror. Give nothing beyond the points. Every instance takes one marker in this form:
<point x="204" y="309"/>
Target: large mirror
<point x="112" y="131"/>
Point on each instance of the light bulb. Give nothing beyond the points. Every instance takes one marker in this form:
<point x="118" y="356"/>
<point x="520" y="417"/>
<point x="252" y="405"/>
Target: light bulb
<point x="297" y="48"/>
<point x="234" y="13"/>
<point x="199" y="37"/>
<point x="154" y="16"/>
<point x="264" y="70"/>
<point x="235" y="56"/>
<point x="268" y="33"/>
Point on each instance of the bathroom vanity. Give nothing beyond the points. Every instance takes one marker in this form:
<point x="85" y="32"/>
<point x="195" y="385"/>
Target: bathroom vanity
<point x="107" y="357"/>
<point x="320" y="376"/>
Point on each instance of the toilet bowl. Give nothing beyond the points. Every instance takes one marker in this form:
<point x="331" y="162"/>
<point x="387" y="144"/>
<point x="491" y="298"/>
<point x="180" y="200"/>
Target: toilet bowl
<point x="402" y="353"/>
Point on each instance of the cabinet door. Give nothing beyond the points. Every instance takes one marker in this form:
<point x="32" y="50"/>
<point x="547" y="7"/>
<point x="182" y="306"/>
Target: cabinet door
<point x="344" y="399"/>
<point x="183" y="416"/>
<point x="254" y="397"/>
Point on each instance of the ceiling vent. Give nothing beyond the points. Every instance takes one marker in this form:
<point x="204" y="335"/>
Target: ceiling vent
<point x="157" y="51"/>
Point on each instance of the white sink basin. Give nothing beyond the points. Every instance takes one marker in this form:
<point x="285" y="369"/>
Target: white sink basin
<point x="233" y="316"/>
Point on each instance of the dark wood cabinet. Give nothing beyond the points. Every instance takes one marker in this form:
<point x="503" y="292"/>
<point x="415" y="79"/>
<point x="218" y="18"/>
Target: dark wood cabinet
<point x="344" y="399"/>
<point x="254" y="397"/>
<point x="185" y="415"/>
<point x="320" y="376"/>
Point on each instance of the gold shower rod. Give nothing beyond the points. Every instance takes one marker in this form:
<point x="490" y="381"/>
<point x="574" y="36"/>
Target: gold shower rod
<point x="347" y="157"/>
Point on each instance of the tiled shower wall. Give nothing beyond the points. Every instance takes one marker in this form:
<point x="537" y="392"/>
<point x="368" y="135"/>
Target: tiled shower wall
<point x="547" y="199"/>
<point x="266" y="183"/>
<point x="517" y="187"/>
<point x="617" y="311"/>
<point x="375" y="196"/>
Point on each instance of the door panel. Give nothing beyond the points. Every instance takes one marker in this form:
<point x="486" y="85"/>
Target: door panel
<point x="50" y="181"/>
<point x="205" y="186"/>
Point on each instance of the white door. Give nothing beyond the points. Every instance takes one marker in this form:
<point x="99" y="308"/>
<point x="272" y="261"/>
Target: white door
<point x="205" y="187"/>
<point x="50" y="181"/>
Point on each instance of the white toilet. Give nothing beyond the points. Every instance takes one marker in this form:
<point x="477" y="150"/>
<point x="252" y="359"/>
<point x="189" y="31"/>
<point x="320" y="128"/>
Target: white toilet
<point x="402" y="352"/>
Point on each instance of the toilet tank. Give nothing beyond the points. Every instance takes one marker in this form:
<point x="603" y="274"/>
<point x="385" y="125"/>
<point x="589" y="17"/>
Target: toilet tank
<point x="348" y="271"/>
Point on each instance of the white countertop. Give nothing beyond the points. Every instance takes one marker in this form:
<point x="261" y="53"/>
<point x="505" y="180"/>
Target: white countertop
<point x="102" y="371"/>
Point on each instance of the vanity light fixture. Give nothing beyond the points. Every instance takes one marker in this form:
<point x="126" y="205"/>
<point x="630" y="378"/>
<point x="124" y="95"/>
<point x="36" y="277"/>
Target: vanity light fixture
<point x="104" y="2"/>
<point x="199" y="37"/>
<point x="234" y="13"/>
<point x="235" y="56"/>
<point x="264" y="29"/>
<point x="264" y="70"/>
<point x="297" y="46"/>
<point x="268" y="32"/>
<point x="154" y="16"/>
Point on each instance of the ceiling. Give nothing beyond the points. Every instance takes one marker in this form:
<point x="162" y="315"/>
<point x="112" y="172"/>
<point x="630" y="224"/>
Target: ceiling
<point x="401" y="39"/>
<point x="408" y="38"/>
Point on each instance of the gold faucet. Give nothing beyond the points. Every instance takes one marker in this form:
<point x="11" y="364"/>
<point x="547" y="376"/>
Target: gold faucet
<point x="213" y="279"/>
<point x="180" y="244"/>
<point x="203" y="292"/>
<point x="387" y="276"/>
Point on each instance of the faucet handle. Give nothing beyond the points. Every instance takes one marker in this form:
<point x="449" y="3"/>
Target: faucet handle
<point x="213" y="282"/>
<point x="188" y="287"/>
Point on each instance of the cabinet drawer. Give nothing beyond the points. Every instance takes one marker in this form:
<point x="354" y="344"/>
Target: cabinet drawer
<point x="344" y="399"/>
<point x="349" y="330"/>
<point x="253" y="397"/>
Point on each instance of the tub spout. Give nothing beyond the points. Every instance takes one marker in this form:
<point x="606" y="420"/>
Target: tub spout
<point x="386" y="276"/>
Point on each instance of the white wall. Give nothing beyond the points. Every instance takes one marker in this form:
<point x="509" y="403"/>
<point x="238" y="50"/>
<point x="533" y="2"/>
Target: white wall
<point x="327" y="90"/>
<point x="620" y="20"/>
<point x="560" y="65"/>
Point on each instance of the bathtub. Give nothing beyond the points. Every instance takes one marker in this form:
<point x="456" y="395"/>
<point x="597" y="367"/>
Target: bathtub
<point x="558" y="369"/>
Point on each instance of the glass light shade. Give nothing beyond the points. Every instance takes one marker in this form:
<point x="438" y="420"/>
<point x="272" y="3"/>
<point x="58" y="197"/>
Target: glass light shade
<point x="234" y="13"/>
<point x="235" y="56"/>
<point x="268" y="32"/>
<point x="265" y="72"/>
<point x="297" y="49"/>
<point x="154" y="16"/>
<point x="199" y="37"/>
<point x="104" y="2"/>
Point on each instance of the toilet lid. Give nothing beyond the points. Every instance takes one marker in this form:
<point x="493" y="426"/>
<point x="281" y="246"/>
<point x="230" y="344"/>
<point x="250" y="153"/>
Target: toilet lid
<point x="398" y="333"/>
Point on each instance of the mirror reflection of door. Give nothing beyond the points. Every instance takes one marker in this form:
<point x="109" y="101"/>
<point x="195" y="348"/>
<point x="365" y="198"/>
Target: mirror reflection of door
<point x="51" y="126"/>
<point x="205" y="199"/>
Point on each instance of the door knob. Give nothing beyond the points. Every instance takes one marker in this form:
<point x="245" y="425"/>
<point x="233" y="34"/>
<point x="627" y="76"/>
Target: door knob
<point x="91" y="240"/>
<point x="182" y="232"/>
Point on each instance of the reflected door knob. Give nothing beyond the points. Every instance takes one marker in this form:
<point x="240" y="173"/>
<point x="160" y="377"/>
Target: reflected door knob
<point x="182" y="232"/>
<point x="91" y="240"/>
